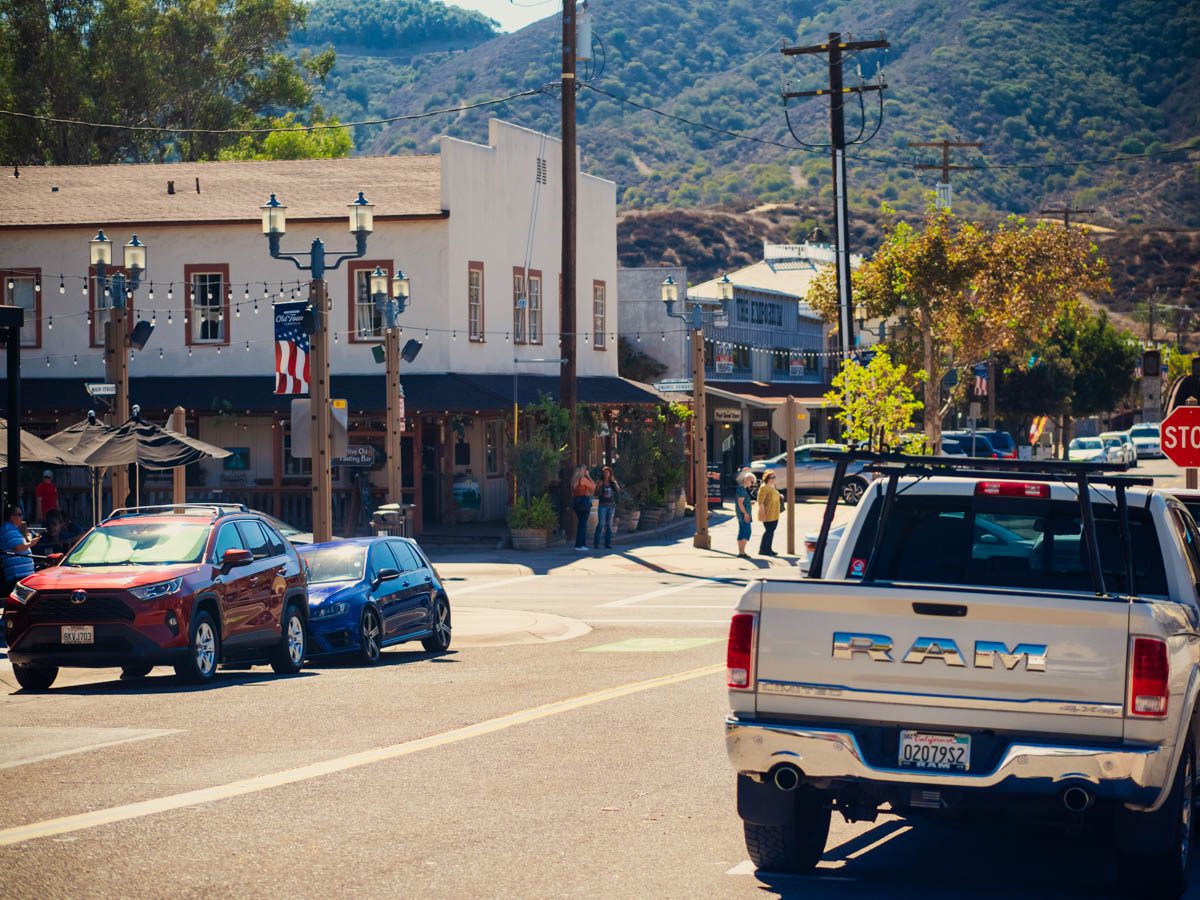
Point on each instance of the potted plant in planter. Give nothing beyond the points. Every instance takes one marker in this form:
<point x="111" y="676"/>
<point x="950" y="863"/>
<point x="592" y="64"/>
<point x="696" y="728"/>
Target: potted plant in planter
<point x="530" y="522"/>
<point x="654" y="510"/>
<point x="628" y="512"/>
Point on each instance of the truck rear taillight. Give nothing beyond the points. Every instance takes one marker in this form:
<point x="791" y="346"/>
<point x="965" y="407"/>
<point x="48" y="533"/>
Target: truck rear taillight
<point x="1012" y="489"/>
<point x="1148" y="676"/>
<point x="739" y="658"/>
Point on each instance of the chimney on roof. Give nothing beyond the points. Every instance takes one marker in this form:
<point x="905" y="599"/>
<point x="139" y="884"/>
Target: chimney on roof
<point x="197" y="184"/>
<point x="170" y="187"/>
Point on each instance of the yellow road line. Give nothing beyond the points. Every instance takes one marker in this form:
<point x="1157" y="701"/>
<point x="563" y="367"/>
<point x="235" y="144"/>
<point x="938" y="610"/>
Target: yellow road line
<point x="97" y="818"/>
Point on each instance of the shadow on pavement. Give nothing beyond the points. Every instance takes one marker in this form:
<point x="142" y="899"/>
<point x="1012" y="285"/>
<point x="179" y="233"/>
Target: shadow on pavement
<point x="944" y="861"/>
<point x="166" y="684"/>
<point x="391" y="656"/>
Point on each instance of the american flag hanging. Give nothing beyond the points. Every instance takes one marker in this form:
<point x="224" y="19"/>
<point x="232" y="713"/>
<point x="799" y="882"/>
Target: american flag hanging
<point x="291" y="349"/>
<point x="981" y="380"/>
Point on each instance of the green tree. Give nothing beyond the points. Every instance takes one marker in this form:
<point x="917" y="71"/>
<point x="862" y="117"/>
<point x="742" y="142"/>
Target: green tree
<point x="325" y="143"/>
<point x="190" y="64"/>
<point x="966" y="290"/>
<point x="875" y="402"/>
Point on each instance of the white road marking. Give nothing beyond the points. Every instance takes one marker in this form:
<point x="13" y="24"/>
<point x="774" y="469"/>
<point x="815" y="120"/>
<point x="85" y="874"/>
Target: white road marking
<point x="68" y="824"/>
<point x="455" y="592"/>
<point x="727" y="606"/>
<point x="662" y="592"/>
<point x="36" y="740"/>
<point x="742" y="868"/>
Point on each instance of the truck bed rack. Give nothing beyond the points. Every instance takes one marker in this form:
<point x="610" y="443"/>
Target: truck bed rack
<point x="894" y="466"/>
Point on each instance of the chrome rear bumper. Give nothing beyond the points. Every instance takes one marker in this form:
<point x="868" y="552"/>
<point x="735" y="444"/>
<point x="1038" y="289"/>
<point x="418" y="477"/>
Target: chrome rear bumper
<point x="1134" y="776"/>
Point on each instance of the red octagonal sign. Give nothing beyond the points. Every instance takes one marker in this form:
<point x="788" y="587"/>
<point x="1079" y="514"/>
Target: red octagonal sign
<point x="1180" y="436"/>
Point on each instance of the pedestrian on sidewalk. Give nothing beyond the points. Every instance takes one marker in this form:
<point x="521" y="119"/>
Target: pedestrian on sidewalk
<point x="16" y="545"/>
<point x="582" y="488"/>
<point x="743" y="507"/>
<point x="606" y="493"/>
<point x="769" y="504"/>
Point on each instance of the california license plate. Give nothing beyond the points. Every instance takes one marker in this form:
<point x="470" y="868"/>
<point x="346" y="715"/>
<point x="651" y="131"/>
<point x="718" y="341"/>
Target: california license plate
<point x="929" y="750"/>
<point x="79" y="634"/>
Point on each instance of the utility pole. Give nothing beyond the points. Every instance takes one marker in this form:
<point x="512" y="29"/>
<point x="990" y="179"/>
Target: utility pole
<point x="569" y="340"/>
<point x="320" y="415"/>
<point x="944" y="186"/>
<point x="392" y="306"/>
<point x="702" y="539"/>
<point x="12" y="318"/>
<point x="1066" y="212"/>
<point x="837" y="131"/>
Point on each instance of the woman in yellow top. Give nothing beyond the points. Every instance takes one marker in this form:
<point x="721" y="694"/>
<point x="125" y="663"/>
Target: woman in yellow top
<point x="769" y="504"/>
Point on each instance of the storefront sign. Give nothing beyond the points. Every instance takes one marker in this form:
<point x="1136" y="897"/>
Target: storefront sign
<point x="727" y="414"/>
<point x="723" y="358"/>
<point x="796" y="365"/>
<point x="714" y="487"/>
<point x="760" y="312"/>
<point x="359" y="456"/>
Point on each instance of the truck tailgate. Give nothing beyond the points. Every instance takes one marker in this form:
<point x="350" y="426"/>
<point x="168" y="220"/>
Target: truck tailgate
<point x="959" y="658"/>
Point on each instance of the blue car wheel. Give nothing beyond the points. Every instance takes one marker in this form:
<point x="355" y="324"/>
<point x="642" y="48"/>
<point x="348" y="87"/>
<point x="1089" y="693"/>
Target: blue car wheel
<point x="370" y="636"/>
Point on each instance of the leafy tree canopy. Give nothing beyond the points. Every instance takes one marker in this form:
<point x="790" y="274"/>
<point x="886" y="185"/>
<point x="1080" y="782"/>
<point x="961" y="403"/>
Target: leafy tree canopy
<point x="393" y="25"/>
<point x="200" y="64"/>
<point x="875" y="402"/>
<point x="962" y="290"/>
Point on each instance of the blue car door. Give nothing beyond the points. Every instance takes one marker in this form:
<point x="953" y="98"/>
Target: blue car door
<point x="420" y="585"/>
<point x="388" y="595"/>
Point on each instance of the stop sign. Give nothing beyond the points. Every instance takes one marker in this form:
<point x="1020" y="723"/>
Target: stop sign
<point x="1180" y="436"/>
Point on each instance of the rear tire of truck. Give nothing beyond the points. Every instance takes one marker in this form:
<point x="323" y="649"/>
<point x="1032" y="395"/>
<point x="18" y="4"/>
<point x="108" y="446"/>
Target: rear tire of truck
<point x="1157" y="866"/>
<point x="797" y="847"/>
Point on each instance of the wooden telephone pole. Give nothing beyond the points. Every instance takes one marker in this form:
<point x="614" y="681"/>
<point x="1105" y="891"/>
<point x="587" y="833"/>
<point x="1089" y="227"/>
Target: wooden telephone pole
<point x="568" y="340"/>
<point x="837" y="92"/>
<point x="116" y="372"/>
<point x="1066" y="212"/>
<point x="944" y="185"/>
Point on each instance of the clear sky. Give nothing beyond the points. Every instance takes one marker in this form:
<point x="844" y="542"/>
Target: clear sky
<point x="511" y="14"/>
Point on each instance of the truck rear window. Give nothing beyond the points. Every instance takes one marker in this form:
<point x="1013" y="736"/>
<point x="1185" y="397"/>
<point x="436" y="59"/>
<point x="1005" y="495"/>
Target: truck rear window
<point x="1005" y="542"/>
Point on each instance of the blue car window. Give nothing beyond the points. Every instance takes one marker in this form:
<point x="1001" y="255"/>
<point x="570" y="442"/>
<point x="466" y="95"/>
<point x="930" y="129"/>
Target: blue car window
<point x="381" y="558"/>
<point x="408" y="562"/>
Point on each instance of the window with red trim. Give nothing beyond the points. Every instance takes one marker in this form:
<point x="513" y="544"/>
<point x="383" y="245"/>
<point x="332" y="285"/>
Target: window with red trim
<point x="533" y="291"/>
<point x="206" y="304"/>
<point x="366" y="322"/>
<point x="24" y="290"/>
<point x="599" y="314"/>
<point x="475" y="300"/>
<point x="520" y="305"/>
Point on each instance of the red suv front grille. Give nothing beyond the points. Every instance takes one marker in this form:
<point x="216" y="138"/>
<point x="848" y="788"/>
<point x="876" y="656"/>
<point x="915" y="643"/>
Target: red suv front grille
<point x="56" y="606"/>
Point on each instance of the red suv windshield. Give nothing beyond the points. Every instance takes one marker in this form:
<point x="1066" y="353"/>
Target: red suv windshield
<point x="140" y="543"/>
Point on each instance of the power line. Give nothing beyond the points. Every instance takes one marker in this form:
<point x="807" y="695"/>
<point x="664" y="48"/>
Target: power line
<point x="321" y="126"/>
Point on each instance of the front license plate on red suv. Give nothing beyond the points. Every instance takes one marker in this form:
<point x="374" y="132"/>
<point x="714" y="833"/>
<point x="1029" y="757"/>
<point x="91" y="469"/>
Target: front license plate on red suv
<point x="79" y="634"/>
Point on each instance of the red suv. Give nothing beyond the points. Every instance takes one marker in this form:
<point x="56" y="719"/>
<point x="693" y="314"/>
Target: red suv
<point x="189" y="586"/>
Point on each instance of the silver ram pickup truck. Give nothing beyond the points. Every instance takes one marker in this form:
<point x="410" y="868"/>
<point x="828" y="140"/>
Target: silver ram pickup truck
<point x="992" y="637"/>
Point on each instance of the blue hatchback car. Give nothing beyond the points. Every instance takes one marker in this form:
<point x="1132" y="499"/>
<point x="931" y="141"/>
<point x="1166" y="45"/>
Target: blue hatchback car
<point x="365" y="594"/>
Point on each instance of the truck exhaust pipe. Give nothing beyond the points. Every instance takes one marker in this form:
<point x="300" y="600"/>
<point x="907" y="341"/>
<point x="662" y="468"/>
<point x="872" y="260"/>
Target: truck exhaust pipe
<point x="787" y="778"/>
<point x="1076" y="799"/>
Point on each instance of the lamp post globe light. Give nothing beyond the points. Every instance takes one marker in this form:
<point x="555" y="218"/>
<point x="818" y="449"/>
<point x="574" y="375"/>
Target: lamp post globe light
<point x="361" y="221"/>
<point x="114" y="293"/>
<point x="695" y="317"/>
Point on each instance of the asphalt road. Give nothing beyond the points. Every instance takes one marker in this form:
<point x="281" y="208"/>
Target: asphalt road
<point x="569" y="744"/>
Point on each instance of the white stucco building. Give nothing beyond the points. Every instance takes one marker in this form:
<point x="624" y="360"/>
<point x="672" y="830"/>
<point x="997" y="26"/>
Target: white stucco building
<point x="476" y="227"/>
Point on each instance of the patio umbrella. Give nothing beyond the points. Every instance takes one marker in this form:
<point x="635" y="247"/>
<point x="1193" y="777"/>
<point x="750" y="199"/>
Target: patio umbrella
<point x="81" y="436"/>
<point x="36" y="450"/>
<point x="150" y="446"/>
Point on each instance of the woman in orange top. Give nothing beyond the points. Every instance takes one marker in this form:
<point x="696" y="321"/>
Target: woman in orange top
<point x="582" y="488"/>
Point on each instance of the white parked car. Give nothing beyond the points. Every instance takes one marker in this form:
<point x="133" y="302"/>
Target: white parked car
<point x="1087" y="449"/>
<point x="1146" y="439"/>
<point x="1115" y="450"/>
<point x="1131" y="454"/>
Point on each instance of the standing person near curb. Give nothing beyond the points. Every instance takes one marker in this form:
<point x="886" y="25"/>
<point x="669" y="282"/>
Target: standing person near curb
<point x="769" y="503"/>
<point x="742" y="507"/>
<point x="582" y="488"/>
<point x="606" y="492"/>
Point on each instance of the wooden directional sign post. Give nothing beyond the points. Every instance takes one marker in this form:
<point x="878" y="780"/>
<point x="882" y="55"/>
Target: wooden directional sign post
<point x="1180" y="434"/>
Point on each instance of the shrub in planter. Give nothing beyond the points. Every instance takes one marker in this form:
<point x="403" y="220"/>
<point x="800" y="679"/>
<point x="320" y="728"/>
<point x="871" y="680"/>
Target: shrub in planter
<point x="530" y="522"/>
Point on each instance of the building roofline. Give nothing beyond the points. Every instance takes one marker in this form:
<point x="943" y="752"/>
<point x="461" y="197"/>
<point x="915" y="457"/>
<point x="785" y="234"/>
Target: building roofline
<point x="194" y="223"/>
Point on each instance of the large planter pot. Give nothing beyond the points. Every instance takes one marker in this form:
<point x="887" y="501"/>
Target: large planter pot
<point x="653" y="517"/>
<point x="529" y="538"/>
<point x="681" y="505"/>
<point x="629" y="519"/>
